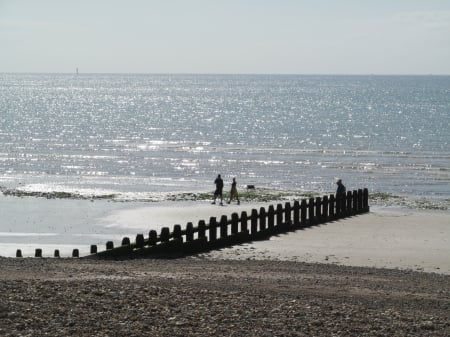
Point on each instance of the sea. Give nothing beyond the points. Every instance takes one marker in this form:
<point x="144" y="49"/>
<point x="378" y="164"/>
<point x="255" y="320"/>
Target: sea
<point x="132" y="138"/>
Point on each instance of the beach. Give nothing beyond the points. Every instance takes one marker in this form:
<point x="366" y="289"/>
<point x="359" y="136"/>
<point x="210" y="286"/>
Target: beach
<point x="200" y="297"/>
<point x="383" y="273"/>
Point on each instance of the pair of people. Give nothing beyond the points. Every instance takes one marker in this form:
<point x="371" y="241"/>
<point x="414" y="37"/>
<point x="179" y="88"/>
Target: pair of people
<point x="219" y="190"/>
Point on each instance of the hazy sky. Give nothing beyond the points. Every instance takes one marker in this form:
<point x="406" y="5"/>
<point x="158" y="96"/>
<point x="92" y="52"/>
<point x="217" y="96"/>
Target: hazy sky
<point x="226" y="36"/>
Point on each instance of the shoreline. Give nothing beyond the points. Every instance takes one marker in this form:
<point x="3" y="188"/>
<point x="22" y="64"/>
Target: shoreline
<point x="387" y="237"/>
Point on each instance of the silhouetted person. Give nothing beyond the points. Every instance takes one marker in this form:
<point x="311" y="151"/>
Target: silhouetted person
<point x="341" y="188"/>
<point x="219" y="189"/>
<point x="340" y="196"/>
<point x="233" y="192"/>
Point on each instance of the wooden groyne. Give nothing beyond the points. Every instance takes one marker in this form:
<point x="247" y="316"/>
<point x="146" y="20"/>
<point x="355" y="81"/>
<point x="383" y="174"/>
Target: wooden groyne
<point x="228" y="231"/>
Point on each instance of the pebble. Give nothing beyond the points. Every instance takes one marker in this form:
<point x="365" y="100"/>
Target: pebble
<point x="203" y="297"/>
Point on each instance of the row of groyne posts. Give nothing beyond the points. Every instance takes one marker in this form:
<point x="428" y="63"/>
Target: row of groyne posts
<point x="228" y="231"/>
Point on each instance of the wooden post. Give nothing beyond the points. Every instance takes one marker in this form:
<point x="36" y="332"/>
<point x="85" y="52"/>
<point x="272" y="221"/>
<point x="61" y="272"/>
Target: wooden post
<point x="165" y="234"/>
<point x="360" y="199"/>
<point x="140" y="240"/>
<point x="296" y="213"/>
<point x="262" y="219"/>
<point x="311" y="211"/>
<point x="75" y="253"/>
<point x="109" y="245"/>
<point x="348" y="208"/>
<point x="339" y="204"/>
<point x="38" y="252"/>
<point x="254" y="222"/>
<point x="318" y="209"/>
<point x="287" y="214"/>
<point x="189" y="232"/>
<point x="56" y="253"/>
<point x="271" y="218"/>
<point x="125" y="241"/>
<point x="152" y="237"/>
<point x="212" y="229"/>
<point x="223" y="227"/>
<point x="234" y="224"/>
<point x="18" y="253"/>
<point x="366" y="200"/>
<point x="202" y="229"/>
<point x="325" y="208"/>
<point x="355" y="202"/>
<point x="244" y="225"/>
<point x="279" y="216"/>
<point x="93" y="249"/>
<point x="303" y="212"/>
<point x="332" y="206"/>
<point x="177" y="232"/>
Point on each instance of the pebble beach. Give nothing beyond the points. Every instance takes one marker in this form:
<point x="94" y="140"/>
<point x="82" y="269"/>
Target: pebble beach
<point x="201" y="297"/>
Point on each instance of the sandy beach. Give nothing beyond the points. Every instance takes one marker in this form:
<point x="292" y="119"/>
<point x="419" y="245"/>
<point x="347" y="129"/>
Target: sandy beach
<point x="384" y="238"/>
<point x="383" y="273"/>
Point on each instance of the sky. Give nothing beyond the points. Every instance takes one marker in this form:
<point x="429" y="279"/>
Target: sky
<point x="226" y="36"/>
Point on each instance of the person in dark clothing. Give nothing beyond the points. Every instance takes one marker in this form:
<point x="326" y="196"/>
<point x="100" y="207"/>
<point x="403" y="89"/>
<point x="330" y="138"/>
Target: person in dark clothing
<point x="219" y="189"/>
<point x="233" y="192"/>
<point x="340" y="196"/>
<point x="341" y="188"/>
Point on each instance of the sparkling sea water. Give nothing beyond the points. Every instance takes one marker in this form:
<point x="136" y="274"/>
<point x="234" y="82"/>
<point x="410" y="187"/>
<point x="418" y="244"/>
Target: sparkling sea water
<point x="137" y="136"/>
<point x="150" y="137"/>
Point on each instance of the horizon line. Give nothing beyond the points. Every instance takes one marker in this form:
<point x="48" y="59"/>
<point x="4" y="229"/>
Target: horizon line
<point x="78" y="73"/>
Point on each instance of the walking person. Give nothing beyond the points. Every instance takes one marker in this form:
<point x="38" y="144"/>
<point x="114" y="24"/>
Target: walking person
<point x="340" y="196"/>
<point x="233" y="192"/>
<point x="218" y="191"/>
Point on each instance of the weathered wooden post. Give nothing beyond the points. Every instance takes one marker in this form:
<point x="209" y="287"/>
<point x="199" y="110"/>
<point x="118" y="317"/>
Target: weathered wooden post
<point x="332" y="206"/>
<point x="271" y="218"/>
<point x="18" y="253"/>
<point x="38" y="252"/>
<point x="339" y="203"/>
<point x="223" y="227"/>
<point x="165" y="234"/>
<point x="244" y="225"/>
<point x="311" y="211"/>
<point x="140" y="241"/>
<point x="349" y="208"/>
<point x="125" y="241"/>
<point x="279" y="212"/>
<point x="56" y="253"/>
<point x="202" y="229"/>
<point x="109" y="245"/>
<point x="254" y="222"/>
<point x="303" y="212"/>
<point x="318" y="203"/>
<point x="360" y="199"/>
<point x="189" y="232"/>
<point x="262" y="219"/>
<point x="296" y="214"/>
<point x="152" y="237"/>
<point x="355" y="202"/>
<point x="325" y="208"/>
<point x="75" y="253"/>
<point x="287" y="215"/>
<point x="234" y="224"/>
<point x="212" y="229"/>
<point x="366" y="200"/>
<point x="93" y="249"/>
<point x="177" y="232"/>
